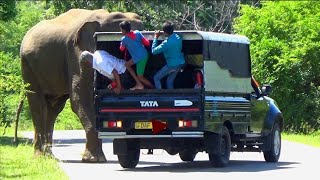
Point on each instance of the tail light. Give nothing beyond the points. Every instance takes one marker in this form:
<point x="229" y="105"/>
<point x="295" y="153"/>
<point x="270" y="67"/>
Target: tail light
<point x="112" y="124"/>
<point x="187" y="123"/>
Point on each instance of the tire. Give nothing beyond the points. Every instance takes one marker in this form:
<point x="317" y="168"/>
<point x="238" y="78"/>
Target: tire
<point x="172" y="151"/>
<point x="221" y="159"/>
<point x="129" y="160"/>
<point x="187" y="155"/>
<point x="274" y="138"/>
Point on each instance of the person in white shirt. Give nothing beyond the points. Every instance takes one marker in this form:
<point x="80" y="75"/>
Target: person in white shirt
<point x="108" y="65"/>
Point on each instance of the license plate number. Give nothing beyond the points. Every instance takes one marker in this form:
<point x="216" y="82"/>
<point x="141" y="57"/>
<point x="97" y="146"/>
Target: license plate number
<point x="143" y="125"/>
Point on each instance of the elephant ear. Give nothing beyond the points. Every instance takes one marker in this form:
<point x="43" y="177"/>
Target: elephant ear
<point x="84" y="38"/>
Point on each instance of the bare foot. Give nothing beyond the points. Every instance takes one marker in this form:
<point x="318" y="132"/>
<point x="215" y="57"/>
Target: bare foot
<point x="137" y="87"/>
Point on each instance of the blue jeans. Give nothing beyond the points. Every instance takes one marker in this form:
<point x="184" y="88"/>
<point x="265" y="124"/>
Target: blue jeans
<point x="166" y="70"/>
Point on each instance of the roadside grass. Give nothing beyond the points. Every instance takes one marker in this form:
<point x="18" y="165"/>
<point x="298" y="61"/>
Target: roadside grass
<point x="17" y="162"/>
<point x="312" y="140"/>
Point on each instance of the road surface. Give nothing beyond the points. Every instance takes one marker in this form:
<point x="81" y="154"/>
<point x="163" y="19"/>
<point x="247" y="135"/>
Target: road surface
<point x="296" y="161"/>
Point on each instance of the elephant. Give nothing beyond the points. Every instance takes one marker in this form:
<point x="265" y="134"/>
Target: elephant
<point x="52" y="69"/>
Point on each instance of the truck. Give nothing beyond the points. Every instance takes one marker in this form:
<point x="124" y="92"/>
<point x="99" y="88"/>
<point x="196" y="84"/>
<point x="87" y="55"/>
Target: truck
<point x="216" y="106"/>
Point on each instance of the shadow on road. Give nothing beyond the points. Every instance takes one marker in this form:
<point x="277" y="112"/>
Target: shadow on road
<point x="200" y="166"/>
<point x="205" y="166"/>
<point x="114" y="162"/>
<point x="8" y="141"/>
<point x="65" y="142"/>
<point x="175" y="167"/>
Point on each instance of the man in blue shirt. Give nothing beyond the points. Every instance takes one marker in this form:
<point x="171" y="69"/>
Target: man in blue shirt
<point x="171" y="49"/>
<point x="135" y="42"/>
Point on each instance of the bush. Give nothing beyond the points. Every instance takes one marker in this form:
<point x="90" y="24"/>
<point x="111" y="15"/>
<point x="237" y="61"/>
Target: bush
<point x="10" y="84"/>
<point x="285" y="43"/>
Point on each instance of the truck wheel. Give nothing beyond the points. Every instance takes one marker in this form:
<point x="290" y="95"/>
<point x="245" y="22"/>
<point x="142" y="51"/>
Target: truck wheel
<point x="129" y="160"/>
<point x="172" y="151"/>
<point x="187" y="155"/>
<point x="273" y="154"/>
<point x="221" y="159"/>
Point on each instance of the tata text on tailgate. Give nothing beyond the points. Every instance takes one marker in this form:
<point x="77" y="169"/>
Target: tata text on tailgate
<point x="216" y="106"/>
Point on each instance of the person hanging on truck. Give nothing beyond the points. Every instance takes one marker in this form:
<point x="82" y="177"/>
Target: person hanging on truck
<point x="110" y="66"/>
<point x="172" y="51"/>
<point x="135" y="43"/>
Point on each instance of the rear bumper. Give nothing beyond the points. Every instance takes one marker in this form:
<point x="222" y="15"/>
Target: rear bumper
<point x="124" y="135"/>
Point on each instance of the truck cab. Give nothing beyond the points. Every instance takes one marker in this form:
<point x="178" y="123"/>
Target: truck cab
<point x="216" y="106"/>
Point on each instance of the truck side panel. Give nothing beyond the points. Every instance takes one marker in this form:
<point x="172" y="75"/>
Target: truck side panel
<point x="219" y="109"/>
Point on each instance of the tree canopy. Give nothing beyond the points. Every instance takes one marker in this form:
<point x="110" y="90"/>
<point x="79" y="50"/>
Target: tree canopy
<point x="8" y="10"/>
<point x="285" y="52"/>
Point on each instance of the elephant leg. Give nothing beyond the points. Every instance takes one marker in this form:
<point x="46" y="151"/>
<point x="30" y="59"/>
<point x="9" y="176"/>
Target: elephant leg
<point x="38" y="112"/>
<point x="37" y="105"/>
<point x="93" y="151"/>
<point x="54" y="106"/>
<point x="85" y="111"/>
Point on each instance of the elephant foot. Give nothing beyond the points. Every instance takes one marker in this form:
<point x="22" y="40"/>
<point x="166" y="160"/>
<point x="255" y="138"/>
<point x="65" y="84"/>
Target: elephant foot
<point x="89" y="157"/>
<point x="46" y="151"/>
<point x="37" y="153"/>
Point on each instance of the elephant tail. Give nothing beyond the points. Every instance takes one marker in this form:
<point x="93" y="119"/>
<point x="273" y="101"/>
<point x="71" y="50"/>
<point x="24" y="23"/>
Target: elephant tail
<point x="28" y="75"/>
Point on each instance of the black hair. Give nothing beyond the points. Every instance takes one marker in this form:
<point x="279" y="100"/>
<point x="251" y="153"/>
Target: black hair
<point x="168" y="27"/>
<point x="125" y="25"/>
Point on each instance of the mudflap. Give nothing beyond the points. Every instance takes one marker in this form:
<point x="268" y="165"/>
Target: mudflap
<point x="212" y="143"/>
<point x="124" y="146"/>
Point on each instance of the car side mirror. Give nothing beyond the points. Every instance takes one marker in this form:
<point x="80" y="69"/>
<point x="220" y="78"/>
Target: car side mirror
<point x="266" y="89"/>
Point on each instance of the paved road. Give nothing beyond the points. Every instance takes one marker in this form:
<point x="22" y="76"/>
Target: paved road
<point x="296" y="161"/>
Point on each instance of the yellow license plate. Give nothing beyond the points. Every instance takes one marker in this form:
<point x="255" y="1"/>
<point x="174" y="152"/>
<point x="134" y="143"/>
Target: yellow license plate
<point x="143" y="125"/>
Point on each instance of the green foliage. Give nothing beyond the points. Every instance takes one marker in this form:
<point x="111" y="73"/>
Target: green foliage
<point x="285" y="52"/>
<point x="7" y="10"/>
<point x="61" y="6"/>
<point x="12" y="32"/>
<point x="10" y="83"/>
<point x="186" y="14"/>
<point x="67" y="120"/>
<point x="12" y="88"/>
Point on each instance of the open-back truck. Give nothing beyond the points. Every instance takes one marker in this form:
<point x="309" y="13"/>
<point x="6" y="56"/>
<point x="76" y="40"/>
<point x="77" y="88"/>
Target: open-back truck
<point x="216" y="106"/>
